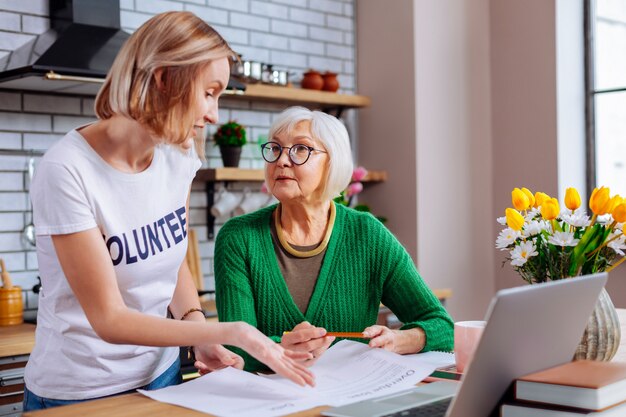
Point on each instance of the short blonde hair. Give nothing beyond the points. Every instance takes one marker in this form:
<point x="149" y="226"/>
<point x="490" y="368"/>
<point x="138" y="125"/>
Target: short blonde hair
<point x="334" y="137"/>
<point x="179" y="44"/>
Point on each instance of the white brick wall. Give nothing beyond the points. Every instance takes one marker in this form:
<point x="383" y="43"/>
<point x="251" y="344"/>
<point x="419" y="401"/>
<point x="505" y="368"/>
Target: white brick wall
<point x="291" y="34"/>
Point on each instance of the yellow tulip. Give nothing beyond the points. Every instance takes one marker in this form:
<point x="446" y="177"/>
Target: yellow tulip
<point x="531" y="197"/>
<point x="550" y="209"/>
<point x="600" y="201"/>
<point x="520" y="199"/>
<point x="514" y="219"/>
<point x="540" y="198"/>
<point x="572" y="199"/>
<point x="619" y="213"/>
<point x="614" y="202"/>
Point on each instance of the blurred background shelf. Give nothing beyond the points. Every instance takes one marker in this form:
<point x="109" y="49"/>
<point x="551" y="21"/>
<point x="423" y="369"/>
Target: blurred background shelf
<point x="240" y="174"/>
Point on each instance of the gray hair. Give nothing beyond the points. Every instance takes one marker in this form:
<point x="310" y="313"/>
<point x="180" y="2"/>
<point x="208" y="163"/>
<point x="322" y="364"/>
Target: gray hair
<point x="333" y="135"/>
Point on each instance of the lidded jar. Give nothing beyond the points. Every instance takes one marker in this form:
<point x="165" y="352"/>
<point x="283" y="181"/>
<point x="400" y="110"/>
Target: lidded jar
<point x="330" y="81"/>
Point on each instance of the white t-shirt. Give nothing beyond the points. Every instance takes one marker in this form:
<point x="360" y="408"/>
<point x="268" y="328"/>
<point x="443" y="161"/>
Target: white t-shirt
<point x="143" y="220"/>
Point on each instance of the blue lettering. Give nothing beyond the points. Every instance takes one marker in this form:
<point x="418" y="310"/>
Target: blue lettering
<point x="153" y="238"/>
<point x="142" y="254"/>
<point x="129" y="259"/>
<point x="120" y="249"/>
<point x="173" y="227"/>
<point x="182" y="220"/>
<point x="161" y="222"/>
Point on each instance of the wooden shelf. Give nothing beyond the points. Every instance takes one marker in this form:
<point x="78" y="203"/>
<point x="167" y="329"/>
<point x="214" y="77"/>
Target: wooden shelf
<point x="238" y="174"/>
<point x="293" y="95"/>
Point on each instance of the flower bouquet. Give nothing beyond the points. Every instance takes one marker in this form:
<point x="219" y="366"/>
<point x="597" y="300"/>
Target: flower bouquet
<point x="545" y="243"/>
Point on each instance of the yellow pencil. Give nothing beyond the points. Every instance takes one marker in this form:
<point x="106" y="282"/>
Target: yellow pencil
<point x="348" y="335"/>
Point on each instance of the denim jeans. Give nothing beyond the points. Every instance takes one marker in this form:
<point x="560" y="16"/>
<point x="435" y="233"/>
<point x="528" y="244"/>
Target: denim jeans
<point x="171" y="376"/>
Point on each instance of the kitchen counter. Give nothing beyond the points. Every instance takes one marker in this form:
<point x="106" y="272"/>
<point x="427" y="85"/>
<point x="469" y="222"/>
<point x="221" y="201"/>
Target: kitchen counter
<point x="17" y="340"/>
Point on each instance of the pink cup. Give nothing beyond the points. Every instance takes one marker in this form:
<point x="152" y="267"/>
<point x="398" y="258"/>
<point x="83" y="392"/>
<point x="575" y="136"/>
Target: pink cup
<point x="466" y="337"/>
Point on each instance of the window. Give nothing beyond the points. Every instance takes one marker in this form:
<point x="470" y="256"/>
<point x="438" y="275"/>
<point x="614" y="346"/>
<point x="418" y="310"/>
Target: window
<point x="606" y="98"/>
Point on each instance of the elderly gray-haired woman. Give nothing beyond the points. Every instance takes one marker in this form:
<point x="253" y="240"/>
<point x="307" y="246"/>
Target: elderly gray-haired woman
<point x="308" y="266"/>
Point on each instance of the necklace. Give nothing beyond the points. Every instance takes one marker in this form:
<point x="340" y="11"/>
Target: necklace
<point x="308" y="253"/>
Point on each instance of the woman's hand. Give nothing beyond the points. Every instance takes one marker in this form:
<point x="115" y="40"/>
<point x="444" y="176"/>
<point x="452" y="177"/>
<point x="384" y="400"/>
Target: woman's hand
<point x="213" y="357"/>
<point x="307" y="338"/>
<point x="284" y="362"/>
<point x="398" y="341"/>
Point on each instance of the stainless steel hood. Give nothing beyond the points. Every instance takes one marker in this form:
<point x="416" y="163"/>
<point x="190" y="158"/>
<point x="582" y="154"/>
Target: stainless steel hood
<point x="74" y="56"/>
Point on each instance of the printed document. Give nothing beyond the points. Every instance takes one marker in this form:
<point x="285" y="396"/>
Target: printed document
<point x="348" y="372"/>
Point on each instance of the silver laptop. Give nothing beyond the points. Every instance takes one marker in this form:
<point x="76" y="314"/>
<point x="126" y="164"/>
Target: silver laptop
<point x="528" y="329"/>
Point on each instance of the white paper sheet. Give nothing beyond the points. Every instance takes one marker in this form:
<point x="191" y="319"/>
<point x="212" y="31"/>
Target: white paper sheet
<point x="348" y="372"/>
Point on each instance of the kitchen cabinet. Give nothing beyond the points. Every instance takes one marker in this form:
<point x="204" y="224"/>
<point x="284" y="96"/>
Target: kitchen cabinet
<point x="16" y="343"/>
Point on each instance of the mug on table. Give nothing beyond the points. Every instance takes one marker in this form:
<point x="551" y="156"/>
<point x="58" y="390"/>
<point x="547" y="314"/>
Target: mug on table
<point x="466" y="337"/>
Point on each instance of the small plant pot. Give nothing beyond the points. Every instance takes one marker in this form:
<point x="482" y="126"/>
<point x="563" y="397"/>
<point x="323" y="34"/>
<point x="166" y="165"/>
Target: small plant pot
<point x="230" y="155"/>
<point x="11" y="306"/>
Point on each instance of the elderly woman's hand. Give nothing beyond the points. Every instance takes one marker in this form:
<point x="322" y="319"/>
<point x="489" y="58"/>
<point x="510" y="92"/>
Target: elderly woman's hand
<point x="398" y="341"/>
<point x="307" y="338"/>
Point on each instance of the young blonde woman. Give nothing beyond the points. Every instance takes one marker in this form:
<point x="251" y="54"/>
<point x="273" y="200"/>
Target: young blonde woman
<point x="110" y="204"/>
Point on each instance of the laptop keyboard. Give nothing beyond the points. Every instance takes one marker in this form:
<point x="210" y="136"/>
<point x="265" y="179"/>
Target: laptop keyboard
<point x="435" y="409"/>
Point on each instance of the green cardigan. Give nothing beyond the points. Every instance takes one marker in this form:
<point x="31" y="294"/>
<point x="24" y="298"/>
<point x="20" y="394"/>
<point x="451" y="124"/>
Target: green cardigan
<point x="364" y="265"/>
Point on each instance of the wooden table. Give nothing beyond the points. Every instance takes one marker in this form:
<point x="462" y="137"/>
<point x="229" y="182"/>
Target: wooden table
<point x="17" y="340"/>
<point x="136" y="405"/>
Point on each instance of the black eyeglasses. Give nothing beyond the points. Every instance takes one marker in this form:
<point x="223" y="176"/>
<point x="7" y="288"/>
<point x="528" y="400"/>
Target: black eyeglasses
<point x="298" y="153"/>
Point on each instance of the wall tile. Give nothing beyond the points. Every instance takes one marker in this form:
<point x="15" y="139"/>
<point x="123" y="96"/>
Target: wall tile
<point x="237" y="5"/>
<point x="328" y="6"/>
<point x="307" y="16"/>
<point x="10" y="21"/>
<point x="311" y="47"/>
<point x="210" y="15"/>
<point x="11" y="222"/>
<point x="339" y="22"/>
<point x="339" y="51"/>
<point x="10" y="242"/>
<point x="37" y="7"/>
<point x="284" y="27"/>
<point x="11" y="181"/>
<point x="10" y="140"/>
<point x="14" y="261"/>
<point x="233" y="35"/>
<point x="267" y="40"/>
<point x="328" y="35"/>
<point x="325" y="64"/>
<point x="264" y="8"/>
<point x="41" y="141"/>
<point x="51" y="104"/>
<point x="35" y="24"/>
<point x="132" y="20"/>
<point x="247" y="21"/>
<point x="10" y="101"/>
<point x="63" y="124"/>
<point x="298" y="3"/>
<point x="21" y="122"/>
<point x="157" y="6"/>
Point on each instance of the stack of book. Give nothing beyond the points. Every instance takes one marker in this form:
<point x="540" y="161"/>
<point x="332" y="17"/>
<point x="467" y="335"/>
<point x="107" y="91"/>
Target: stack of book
<point x="574" y="389"/>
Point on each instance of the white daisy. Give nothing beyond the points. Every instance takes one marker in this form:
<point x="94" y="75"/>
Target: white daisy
<point x="506" y="238"/>
<point x="532" y="214"/>
<point x="535" y="227"/>
<point x="563" y="239"/>
<point x="522" y="253"/>
<point x="576" y="219"/>
<point x="501" y="220"/>
<point x="618" y="244"/>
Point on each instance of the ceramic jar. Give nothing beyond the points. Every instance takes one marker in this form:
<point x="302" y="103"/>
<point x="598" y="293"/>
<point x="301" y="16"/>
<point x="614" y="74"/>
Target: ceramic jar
<point x="330" y="81"/>
<point x="312" y="80"/>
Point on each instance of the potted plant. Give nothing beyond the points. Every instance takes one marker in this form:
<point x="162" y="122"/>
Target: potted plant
<point x="230" y="137"/>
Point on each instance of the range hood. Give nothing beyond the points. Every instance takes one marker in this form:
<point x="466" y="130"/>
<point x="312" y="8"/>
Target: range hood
<point x="74" y="56"/>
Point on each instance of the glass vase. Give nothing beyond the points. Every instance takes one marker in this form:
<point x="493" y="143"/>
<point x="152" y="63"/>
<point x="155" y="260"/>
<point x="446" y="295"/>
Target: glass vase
<point x="602" y="334"/>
